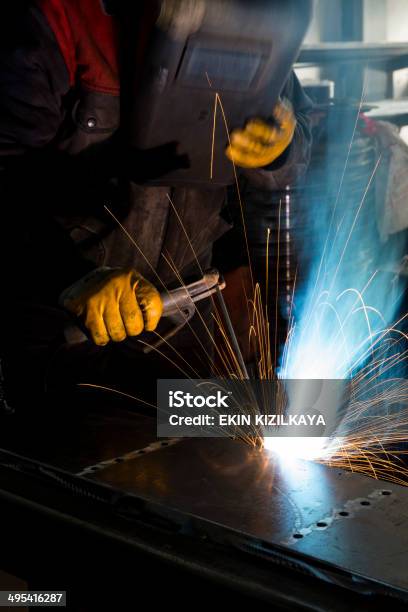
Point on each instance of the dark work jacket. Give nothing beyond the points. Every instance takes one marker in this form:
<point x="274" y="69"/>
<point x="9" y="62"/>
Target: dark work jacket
<point x="61" y="165"/>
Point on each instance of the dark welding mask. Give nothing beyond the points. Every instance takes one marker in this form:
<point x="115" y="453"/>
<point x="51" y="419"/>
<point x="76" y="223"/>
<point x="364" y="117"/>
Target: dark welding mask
<point x="194" y="67"/>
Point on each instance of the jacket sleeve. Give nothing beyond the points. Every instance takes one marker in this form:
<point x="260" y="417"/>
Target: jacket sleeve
<point x="291" y="166"/>
<point x="38" y="258"/>
<point x="255" y="185"/>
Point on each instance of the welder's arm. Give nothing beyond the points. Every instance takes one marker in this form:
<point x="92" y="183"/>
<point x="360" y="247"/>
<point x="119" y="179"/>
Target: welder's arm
<point x="38" y="183"/>
<point x="114" y="304"/>
<point x="291" y="164"/>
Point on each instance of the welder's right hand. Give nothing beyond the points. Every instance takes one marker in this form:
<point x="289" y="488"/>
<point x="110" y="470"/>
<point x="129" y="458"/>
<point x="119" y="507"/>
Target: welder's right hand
<point x="113" y="304"/>
<point x="260" y="143"/>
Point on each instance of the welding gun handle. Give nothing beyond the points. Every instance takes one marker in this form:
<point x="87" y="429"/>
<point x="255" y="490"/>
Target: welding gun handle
<point x="178" y="304"/>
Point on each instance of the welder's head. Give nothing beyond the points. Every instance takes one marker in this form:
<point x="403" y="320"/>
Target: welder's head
<point x="180" y="57"/>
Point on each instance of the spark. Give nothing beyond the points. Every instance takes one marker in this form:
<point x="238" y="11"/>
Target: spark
<point x="118" y="392"/>
<point x="344" y="329"/>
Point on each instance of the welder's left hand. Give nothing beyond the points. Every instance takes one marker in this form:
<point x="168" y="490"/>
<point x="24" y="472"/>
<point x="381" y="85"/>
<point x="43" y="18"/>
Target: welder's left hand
<point x="260" y="143"/>
<point x="114" y="303"/>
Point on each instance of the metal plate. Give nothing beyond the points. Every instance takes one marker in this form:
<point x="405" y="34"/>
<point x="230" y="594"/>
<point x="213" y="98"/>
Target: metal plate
<point x="296" y="505"/>
<point x="248" y="497"/>
<point x="79" y="439"/>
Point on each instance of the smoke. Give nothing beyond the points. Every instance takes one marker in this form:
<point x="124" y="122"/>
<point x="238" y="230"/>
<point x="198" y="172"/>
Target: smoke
<point x="351" y="290"/>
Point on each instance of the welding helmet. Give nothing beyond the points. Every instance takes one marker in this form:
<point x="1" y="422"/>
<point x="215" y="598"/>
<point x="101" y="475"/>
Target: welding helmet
<point x="194" y="68"/>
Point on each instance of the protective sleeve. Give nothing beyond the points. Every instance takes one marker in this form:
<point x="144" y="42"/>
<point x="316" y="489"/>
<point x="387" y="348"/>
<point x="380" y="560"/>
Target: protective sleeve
<point x="256" y="185"/>
<point x="291" y="166"/>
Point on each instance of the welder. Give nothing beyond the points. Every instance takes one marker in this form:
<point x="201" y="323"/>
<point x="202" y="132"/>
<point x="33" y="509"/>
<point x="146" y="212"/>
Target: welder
<point x="93" y="226"/>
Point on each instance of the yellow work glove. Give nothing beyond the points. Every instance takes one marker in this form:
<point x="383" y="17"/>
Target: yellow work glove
<point x="260" y="143"/>
<point x="114" y="304"/>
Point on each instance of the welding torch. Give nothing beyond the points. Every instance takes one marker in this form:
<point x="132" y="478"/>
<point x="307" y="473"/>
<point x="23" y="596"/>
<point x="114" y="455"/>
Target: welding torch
<point x="179" y="307"/>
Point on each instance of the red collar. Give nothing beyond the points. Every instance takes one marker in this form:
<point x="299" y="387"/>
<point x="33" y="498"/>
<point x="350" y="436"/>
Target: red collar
<point x="88" y="40"/>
